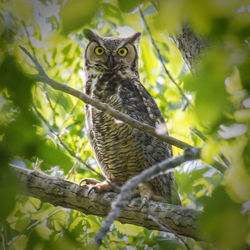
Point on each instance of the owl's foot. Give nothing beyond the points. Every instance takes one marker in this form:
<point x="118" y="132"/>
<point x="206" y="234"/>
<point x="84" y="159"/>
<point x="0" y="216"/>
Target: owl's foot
<point x="96" y="185"/>
<point x="147" y="194"/>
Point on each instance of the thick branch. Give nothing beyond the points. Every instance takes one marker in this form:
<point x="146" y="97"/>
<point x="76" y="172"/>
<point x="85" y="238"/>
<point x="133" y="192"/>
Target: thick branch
<point x="42" y="77"/>
<point x="60" y="192"/>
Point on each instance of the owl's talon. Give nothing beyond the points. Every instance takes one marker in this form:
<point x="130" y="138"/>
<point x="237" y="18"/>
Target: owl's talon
<point x="145" y="202"/>
<point x="96" y="185"/>
<point x="89" y="181"/>
<point x="92" y="188"/>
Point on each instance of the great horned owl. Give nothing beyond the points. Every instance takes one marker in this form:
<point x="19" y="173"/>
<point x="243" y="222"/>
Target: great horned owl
<point x="111" y="66"/>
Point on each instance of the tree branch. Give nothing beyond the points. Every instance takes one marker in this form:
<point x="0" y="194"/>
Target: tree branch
<point x="126" y="190"/>
<point x="42" y="77"/>
<point x="60" y="192"/>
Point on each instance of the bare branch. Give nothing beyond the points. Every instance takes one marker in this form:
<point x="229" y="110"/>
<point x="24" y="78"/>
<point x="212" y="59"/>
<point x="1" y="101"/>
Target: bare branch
<point x="126" y="191"/>
<point x="42" y="77"/>
<point x="37" y="64"/>
<point x="166" y="228"/>
<point x="61" y="192"/>
<point x="4" y="237"/>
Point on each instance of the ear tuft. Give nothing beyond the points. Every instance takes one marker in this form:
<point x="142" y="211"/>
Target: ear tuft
<point x="90" y="34"/>
<point x="135" y="38"/>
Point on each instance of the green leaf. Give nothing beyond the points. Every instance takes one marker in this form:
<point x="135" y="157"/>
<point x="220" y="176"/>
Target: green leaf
<point x="165" y="243"/>
<point x="223" y="222"/>
<point x="128" y="229"/>
<point x="129" y="5"/>
<point x="16" y="82"/>
<point x="43" y="231"/>
<point x="54" y="156"/>
<point x="76" y="13"/>
<point x="8" y="190"/>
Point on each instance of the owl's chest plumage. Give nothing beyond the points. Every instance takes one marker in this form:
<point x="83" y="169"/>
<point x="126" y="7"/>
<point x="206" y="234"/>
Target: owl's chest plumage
<point x="112" y="141"/>
<point x="121" y="150"/>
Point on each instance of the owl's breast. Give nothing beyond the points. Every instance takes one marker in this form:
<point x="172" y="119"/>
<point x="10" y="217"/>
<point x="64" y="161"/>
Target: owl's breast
<point x="122" y="151"/>
<point x="102" y="87"/>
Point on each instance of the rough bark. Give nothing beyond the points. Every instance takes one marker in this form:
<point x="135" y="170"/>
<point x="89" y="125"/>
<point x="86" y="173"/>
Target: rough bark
<point x="190" y="46"/>
<point x="61" y="192"/>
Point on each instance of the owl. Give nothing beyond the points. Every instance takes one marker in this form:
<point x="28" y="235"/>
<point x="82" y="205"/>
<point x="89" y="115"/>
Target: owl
<point x="112" y="77"/>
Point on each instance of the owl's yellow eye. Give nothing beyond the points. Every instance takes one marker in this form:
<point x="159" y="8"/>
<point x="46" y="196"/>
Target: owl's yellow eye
<point x="99" y="50"/>
<point x="122" y="52"/>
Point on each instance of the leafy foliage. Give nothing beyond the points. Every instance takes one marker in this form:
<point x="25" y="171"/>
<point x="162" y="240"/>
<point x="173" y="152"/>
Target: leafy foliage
<point x="39" y="126"/>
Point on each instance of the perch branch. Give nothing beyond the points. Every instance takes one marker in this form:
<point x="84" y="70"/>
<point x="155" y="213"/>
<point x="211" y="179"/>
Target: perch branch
<point x="61" y="192"/>
<point x="42" y="77"/>
<point x="126" y="190"/>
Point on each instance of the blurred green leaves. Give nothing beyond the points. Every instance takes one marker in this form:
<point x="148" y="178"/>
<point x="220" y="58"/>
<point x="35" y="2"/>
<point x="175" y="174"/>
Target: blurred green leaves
<point x="219" y="93"/>
<point x="129" y="5"/>
<point x="19" y="137"/>
<point x="76" y="13"/>
<point x="211" y="98"/>
<point x="223" y="222"/>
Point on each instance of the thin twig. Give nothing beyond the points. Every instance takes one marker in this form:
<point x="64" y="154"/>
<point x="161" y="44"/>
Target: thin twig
<point x="71" y="152"/>
<point x="4" y="237"/>
<point x="50" y="102"/>
<point x="42" y="77"/>
<point x="28" y="36"/>
<point x="37" y="64"/>
<point x="131" y="184"/>
<point x="160" y="57"/>
<point x="221" y="166"/>
<point x="166" y="228"/>
<point x="37" y="222"/>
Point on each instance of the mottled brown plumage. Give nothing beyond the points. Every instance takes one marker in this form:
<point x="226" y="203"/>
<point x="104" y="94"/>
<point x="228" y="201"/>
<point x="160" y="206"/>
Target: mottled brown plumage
<point x="122" y="151"/>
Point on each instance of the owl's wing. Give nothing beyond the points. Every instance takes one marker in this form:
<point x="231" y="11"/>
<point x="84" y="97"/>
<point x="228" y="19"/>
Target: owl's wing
<point x="140" y="105"/>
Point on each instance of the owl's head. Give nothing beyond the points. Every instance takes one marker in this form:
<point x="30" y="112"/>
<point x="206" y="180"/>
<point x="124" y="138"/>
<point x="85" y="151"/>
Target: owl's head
<point x="111" y="53"/>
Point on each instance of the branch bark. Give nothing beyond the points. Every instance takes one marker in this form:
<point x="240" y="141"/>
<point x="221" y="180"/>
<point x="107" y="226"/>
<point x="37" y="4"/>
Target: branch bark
<point x="60" y="192"/>
<point x="126" y="190"/>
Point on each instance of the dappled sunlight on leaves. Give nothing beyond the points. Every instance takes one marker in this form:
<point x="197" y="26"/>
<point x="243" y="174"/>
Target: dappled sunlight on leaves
<point x="37" y="123"/>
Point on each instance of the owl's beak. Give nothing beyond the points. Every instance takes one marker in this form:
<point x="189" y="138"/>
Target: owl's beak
<point x="110" y="61"/>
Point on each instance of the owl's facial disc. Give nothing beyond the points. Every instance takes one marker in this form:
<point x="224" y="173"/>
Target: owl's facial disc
<point x="111" y="54"/>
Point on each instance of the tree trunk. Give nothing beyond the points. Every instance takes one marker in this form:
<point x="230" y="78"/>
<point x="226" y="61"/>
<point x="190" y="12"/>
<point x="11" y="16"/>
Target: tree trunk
<point x="189" y="45"/>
